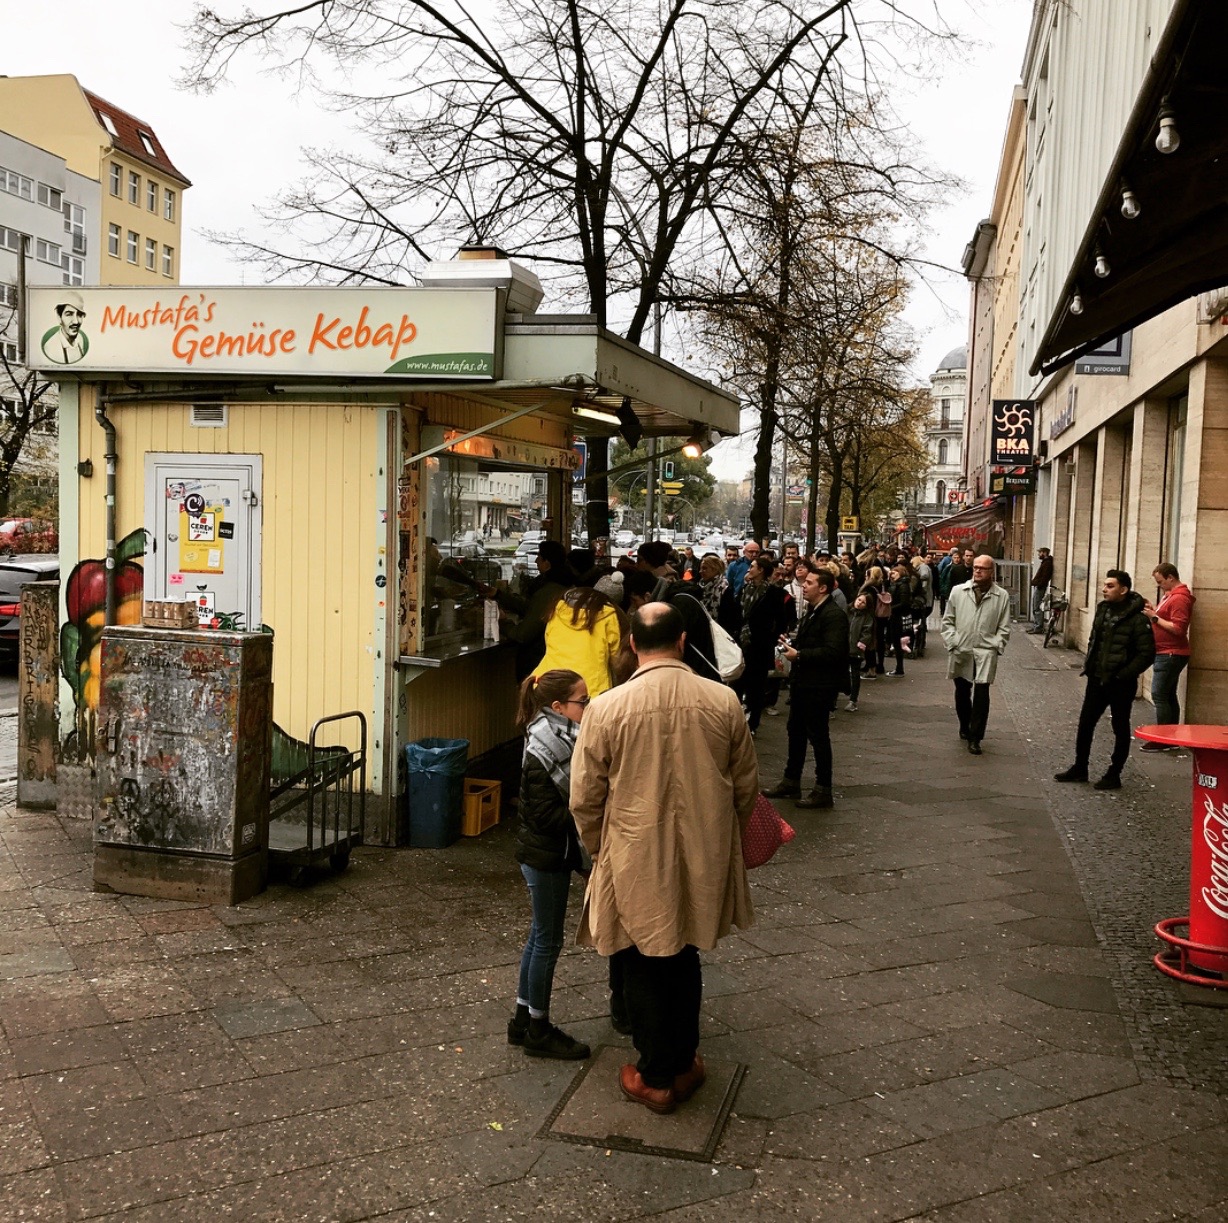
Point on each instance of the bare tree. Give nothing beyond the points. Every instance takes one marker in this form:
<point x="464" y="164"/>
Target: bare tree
<point x="591" y="139"/>
<point x="25" y="411"/>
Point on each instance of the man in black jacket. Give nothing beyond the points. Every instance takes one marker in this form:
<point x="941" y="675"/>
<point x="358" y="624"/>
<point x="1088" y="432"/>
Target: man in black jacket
<point x="1121" y="647"/>
<point x="819" y="655"/>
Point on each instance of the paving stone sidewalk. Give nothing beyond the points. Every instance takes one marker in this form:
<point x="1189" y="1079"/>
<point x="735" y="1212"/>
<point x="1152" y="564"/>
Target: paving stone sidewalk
<point x="947" y="1008"/>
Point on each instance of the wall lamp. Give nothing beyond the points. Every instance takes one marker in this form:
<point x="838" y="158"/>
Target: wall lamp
<point x="699" y="441"/>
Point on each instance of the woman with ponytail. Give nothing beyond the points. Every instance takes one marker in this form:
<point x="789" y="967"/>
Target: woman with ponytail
<point x="548" y="850"/>
<point x="584" y="632"/>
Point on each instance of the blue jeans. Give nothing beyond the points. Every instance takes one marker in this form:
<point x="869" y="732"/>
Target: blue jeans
<point x="548" y="894"/>
<point x="1038" y="606"/>
<point x="1164" y="676"/>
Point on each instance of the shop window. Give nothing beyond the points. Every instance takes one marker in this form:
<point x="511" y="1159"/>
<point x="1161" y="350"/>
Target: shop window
<point x="477" y="513"/>
<point x="1174" y="474"/>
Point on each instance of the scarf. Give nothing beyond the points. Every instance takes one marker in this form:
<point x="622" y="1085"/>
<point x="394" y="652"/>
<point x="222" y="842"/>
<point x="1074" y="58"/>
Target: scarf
<point x="712" y="592"/>
<point x="752" y="592"/>
<point x="550" y="739"/>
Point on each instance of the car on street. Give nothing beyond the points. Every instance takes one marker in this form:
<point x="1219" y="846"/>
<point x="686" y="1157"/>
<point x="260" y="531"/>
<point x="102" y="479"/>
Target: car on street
<point x="14" y="574"/>
<point x="21" y="536"/>
<point x="474" y="560"/>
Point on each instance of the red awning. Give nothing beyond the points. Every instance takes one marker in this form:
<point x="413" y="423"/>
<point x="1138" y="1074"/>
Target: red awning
<point x="981" y="528"/>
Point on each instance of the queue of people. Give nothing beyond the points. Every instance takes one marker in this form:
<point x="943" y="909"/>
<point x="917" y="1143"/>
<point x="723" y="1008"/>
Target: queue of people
<point x="626" y="679"/>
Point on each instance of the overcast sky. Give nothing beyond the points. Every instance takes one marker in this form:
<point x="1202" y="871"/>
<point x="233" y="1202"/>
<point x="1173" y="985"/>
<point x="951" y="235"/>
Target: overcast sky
<point x="241" y="144"/>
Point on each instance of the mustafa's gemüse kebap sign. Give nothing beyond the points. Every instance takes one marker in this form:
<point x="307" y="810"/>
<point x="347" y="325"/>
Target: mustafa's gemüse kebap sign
<point x="394" y="333"/>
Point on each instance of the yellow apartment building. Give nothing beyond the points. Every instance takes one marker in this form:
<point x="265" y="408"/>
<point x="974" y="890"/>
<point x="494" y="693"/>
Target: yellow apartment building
<point x="141" y="217"/>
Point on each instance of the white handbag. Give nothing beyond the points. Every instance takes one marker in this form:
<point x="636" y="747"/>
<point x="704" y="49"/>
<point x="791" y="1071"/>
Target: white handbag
<point x="729" y="662"/>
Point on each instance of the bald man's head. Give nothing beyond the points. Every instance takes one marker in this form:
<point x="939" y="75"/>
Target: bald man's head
<point x="657" y="629"/>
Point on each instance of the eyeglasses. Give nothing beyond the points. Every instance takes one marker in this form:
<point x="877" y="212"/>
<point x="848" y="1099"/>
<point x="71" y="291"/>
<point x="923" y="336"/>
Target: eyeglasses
<point x="577" y="700"/>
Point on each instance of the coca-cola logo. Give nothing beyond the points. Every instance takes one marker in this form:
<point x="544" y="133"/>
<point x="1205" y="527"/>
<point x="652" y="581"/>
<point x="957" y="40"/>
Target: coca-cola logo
<point x="1215" y="834"/>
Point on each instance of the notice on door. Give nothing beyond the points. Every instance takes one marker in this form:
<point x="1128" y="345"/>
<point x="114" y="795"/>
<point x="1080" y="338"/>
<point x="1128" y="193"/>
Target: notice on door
<point x="201" y="549"/>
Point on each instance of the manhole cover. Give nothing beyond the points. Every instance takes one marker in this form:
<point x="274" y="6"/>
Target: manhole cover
<point x="593" y="1111"/>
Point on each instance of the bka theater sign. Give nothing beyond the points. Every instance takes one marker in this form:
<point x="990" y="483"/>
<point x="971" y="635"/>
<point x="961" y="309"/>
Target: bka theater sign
<point x="1013" y="437"/>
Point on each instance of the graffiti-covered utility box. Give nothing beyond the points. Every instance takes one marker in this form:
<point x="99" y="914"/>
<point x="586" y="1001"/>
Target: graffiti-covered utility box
<point x="183" y="752"/>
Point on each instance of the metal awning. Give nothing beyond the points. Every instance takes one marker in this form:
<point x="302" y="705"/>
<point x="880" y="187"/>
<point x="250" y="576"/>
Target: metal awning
<point x="1177" y="245"/>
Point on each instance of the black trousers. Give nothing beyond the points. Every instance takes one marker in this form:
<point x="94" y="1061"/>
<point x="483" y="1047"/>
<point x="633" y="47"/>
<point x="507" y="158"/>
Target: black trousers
<point x="1117" y="696"/>
<point x="663" y="996"/>
<point x="808" y="727"/>
<point x="972" y="708"/>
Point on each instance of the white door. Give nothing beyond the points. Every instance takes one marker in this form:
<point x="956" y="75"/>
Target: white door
<point x="203" y="515"/>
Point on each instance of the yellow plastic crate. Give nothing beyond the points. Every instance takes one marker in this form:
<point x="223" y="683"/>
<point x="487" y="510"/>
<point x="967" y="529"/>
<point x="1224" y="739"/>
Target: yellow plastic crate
<point x="481" y="806"/>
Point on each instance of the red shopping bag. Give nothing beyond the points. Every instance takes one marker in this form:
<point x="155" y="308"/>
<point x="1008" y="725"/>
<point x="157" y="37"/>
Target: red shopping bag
<point x="765" y="834"/>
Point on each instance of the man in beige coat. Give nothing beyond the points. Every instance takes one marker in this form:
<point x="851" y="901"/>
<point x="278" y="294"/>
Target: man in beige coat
<point x="663" y="781"/>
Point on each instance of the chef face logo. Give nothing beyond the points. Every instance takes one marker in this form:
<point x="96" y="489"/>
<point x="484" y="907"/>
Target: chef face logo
<point x="66" y="343"/>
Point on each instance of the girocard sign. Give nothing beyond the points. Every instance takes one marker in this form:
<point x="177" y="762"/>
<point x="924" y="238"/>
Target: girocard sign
<point x="418" y="333"/>
<point x="1012" y="439"/>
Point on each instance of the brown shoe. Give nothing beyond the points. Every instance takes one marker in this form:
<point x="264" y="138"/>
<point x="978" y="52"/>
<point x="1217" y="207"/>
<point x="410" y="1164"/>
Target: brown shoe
<point x="819" y="797"/>
<point x="687" y="1084"/>
<point x="659" y="1099"/>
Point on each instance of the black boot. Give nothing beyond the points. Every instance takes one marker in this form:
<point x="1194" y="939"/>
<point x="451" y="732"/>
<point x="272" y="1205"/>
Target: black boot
<point x="819" y="797"/>
<point x="786" y="788"/>
<point x="1110" y="781"/>
<point x="543" y="1039"/>
<point x="518" y="1026"/>
<point x="1076" y="772"/>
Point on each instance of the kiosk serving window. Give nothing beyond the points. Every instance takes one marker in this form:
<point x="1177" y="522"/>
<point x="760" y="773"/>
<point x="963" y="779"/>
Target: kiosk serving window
<point x="481" y="521"/>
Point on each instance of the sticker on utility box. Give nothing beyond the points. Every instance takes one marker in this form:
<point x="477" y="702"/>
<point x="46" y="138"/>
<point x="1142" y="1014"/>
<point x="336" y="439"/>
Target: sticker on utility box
<point x="205" y="602"/>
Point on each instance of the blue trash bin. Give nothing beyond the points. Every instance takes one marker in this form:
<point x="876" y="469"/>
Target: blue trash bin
<point x="436" y="790"/>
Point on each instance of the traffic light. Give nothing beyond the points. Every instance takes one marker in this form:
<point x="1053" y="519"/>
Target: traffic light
<point x="668" y="469"/>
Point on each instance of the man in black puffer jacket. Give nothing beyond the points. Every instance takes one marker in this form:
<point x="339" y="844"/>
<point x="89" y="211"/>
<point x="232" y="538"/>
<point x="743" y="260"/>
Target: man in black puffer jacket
<point x="1121" y="647"/>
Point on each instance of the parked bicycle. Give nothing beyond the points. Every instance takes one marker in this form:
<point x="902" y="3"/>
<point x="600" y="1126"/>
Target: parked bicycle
<point x="1054" y="606"/>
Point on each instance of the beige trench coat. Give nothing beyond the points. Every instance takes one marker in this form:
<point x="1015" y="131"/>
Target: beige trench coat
<point x="663" y="780"/>
<point x="976" y="635"/>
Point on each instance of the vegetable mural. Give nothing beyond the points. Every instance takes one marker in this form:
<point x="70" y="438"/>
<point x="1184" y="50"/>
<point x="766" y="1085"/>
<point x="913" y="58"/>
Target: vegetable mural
<point x="81" y="635"/>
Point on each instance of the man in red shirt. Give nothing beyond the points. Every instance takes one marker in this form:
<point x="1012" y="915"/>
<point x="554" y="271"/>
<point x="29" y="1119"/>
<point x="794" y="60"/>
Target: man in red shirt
<point x="1170" y="622"/>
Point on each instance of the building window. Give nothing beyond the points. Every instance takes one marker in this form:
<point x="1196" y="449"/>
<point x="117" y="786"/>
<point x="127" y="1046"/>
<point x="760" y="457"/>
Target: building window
<point x="113" y="236"/>
<point x="50" y="197"/>
<point x="133" y="246"/>
<point x="74" y="224"/>
<point x="17" y="184"/>
<point x="117" y="179"/>
<point x="73" y="269"/>
<point x="8" y="295"/>
<point x="168" y="204"/>
<point x="168" y="261"/>
<point x="10" y="239"/>
<point x="147" y="143"/>
<point x="151" y="195"/>
<point x="108" y="123"/>
<point x="942" y="452"/>
<point x="940" y="492"/>
<point x="10" y="349"/>
<point x="134" y="188"/>
<point x="47" y="252"/>
<point x="151" y="254"/>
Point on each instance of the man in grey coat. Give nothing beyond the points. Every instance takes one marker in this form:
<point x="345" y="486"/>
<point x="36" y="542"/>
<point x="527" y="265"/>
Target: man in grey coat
<point x="975" y="629"/>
